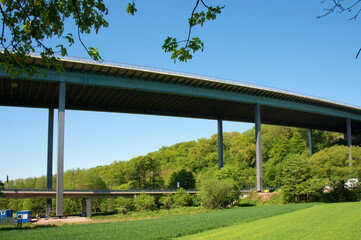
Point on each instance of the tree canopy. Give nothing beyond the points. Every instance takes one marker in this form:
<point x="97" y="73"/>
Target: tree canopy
<point x="27" y="24"/>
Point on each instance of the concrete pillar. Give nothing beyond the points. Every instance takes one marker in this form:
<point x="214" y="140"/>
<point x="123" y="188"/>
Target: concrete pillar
<point x="258" y="147"/>
<point x="49" y="178"/>
<point x="86" y="207"/>
<point x="349" y="138"/>
<point x="220" y="144"/>
<point x="310" y="141"/>
<point x="60" y="161"/>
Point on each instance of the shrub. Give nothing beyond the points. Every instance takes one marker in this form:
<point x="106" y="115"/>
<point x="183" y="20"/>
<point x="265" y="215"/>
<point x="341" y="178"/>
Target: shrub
<point x="216" y="193"/>
<point x="181" y="198"/>
<point x="166" y="201"/>
<point x="276" y="200"/>
<point x="144" y="202"/>
<point x="246" y="202"/>
<point x="124" y="205"/>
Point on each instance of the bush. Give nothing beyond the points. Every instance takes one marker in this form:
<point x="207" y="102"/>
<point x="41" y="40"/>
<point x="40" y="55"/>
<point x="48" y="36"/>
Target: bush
<point x="166" y="201"/>
<point x="276" y="200"/>
<point x="181" y="198"/>
<point x="124" y="205"/>
<point x="216" y="193"/>
<point x="246" y="202"/>
<point x="144" y="202"/>
<point x="346" y="196"/>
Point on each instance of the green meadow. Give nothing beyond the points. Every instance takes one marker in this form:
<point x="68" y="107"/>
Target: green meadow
<point x="160" y="228"/>
<point x="326" y="221"/>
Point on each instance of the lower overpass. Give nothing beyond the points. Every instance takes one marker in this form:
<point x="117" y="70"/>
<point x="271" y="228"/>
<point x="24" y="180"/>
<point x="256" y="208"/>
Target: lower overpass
<point x="85" y="195"/>
<point x="88" y="194"/>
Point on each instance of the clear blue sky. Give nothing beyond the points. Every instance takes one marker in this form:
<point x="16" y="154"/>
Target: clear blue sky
<point x="279" y="44"/>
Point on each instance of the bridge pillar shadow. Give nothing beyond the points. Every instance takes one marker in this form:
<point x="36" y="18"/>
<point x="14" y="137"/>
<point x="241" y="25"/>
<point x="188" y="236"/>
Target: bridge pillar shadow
<point x="86" y="207"/>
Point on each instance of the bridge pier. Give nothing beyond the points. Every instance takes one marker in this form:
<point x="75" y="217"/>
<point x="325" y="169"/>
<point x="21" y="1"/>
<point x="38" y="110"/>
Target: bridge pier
<point x="258" y="147"/>
<point x="310" y="141"/>
<point x="49" y="178"/>
<point x="220" y="144"/>
<point x="60" y="160"/>
<point x="86" y="207"/>
<point x="349" y="139"/>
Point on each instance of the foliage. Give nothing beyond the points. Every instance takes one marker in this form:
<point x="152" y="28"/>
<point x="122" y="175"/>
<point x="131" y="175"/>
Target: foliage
<point x="183" y="177"/>
<point x="246" y="202"/>
<point x="160" y="228"/>
<point x="199" y="159"/>
<point x="326" y="221"/>
<point x="191" y="44"/>
<point x="332" y="167"/>
<point x="298" y="184"/>
<point x="216" y="193"/>
<point x="124" y="205"/>
<point x="26" y="25"/>
<point x="2" y="186"/>
<point x="71" y="205"/>
<point x="182" y="199"/>
<point x="166" y="201"/>
<point x="144" y="202"/>
<point x="179" y="199"/>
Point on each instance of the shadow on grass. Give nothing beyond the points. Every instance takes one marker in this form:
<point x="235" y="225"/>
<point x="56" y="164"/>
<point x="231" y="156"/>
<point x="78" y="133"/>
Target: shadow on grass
<point x="24" y="228"/>
<point x="104" y="213"/>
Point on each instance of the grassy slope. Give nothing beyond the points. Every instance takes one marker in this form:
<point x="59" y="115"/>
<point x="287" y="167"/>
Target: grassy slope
<point x="161" y="228"/>
<point x="327" y="221"/>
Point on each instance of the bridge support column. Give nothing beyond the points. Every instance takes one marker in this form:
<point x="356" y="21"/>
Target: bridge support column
<point x="220" y="144"/>
<point x="49" y="179"/>
<point x="258" y="147"/>
<point x="310" y="141"/>
<point x="60" y="160"/>
<point x="86" y="207"/>
<point x="349" y="139"/>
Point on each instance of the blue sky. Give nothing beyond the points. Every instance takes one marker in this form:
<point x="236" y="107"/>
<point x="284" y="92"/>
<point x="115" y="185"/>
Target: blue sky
<point x="279" y="44"/>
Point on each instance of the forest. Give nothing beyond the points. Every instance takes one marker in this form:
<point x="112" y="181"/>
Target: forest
<point x="287" y="166"/>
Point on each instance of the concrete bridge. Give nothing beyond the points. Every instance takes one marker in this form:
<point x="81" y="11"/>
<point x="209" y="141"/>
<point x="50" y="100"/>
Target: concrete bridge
<point x="51" y="193"/>
<point x="85" y="195"/>
<point x="112" y="87"/>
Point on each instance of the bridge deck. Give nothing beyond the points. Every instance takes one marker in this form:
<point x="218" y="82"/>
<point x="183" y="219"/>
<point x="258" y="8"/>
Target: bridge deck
<point x="42" y="193"/>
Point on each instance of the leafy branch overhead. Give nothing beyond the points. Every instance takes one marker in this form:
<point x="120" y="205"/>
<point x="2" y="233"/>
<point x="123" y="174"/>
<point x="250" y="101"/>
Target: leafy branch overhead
<point x="27" y="24"/>
<point x="194" y="44"/>
<point x="352" y="7"/>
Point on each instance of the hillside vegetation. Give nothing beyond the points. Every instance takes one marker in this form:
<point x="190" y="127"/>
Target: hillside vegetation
<point x="286" y="163"/>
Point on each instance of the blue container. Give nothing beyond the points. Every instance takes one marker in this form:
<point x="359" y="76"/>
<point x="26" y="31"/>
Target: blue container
<point x="6" y="213"/>
<point x="23" y="216"/>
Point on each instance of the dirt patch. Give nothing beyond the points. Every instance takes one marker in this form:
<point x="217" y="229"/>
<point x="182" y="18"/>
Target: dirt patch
<point x="61" y="221"/>
<point x="266" y="196"/>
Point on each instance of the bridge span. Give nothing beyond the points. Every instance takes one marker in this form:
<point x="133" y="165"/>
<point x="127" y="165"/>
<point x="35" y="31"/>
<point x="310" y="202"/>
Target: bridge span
<point x="86" y="196"/>
<point x="92" y="194"/>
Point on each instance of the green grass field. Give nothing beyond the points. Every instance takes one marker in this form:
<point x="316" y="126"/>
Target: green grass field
<point x="326" y="221"/>
<point x="160" y="228"/>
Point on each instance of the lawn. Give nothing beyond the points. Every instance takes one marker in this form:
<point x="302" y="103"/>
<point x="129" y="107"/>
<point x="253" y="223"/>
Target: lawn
<point x="326" y="221"/>
<point x="160" y="228"/>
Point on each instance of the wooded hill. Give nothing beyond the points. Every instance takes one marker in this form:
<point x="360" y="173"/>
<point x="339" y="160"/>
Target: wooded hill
<point x="162" y="168"/>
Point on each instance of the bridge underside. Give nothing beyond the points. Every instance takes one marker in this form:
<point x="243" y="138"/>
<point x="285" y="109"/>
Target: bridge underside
<point x="94" y="98"/>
